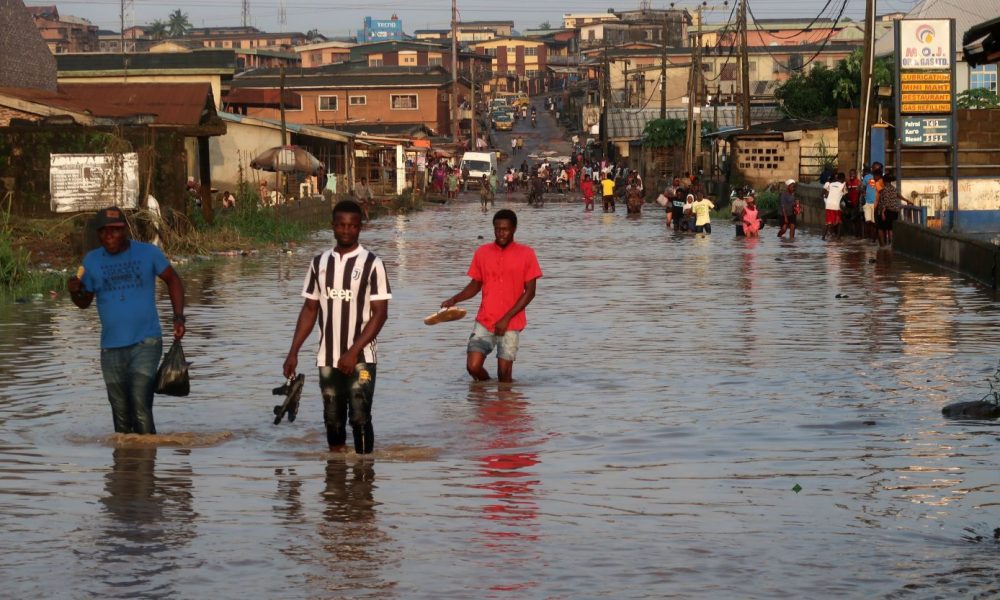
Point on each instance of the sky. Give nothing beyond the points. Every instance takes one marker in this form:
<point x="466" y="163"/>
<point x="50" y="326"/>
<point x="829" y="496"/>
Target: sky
<point x="335" y="18"/>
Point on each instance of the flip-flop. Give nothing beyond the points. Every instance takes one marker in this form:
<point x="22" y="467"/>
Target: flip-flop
<point x="444" y="315"/>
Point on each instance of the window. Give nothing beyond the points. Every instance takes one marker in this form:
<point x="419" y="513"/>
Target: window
<point x="491" y="51"/>
<point x="434" y="61"/>
<point x="531" y="73"/>
<point x="983" y="77"/>
<point x="358" y="100"/>
<point x="728" y="72"/>
<point x="407" y="58"/>
<point x="328" y="103"/>
<point x="403" y="101"/>
<point x="590" y="35"/>
<point x="375" y="62"/>
<point x="531" y="51"/>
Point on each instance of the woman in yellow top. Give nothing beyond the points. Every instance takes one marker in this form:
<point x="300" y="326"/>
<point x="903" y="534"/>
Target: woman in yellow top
<point x="701" y="210"/>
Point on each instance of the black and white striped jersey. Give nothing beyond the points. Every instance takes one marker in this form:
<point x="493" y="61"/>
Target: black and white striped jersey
<point x="345" y="287"/>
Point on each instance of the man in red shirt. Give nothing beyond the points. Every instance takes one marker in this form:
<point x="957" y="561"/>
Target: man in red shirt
<point x="505" y="271"/>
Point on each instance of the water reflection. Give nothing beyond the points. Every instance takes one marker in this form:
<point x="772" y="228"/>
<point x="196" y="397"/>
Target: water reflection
<point x="151" y="517"/>
<point x="356" y="552"/>
<point x="509" y="530"/>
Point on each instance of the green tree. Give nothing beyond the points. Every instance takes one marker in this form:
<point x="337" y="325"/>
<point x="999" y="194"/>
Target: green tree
<point x="821" y="91"/>
<point x="178" y="24"/>
<point x="669" y="133"/>
<point x="809" y="95"/>
<point x="978" y="98"/>
<point x="545" y="25"/>
<point x="664" y="133"/>
<point x="157" y="29"/>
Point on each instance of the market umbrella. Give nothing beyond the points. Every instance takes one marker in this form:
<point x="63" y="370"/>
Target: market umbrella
<point x="286" y="159"/>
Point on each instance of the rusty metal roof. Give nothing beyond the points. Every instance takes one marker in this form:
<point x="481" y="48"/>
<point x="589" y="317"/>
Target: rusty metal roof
<point x="187" y="104"/>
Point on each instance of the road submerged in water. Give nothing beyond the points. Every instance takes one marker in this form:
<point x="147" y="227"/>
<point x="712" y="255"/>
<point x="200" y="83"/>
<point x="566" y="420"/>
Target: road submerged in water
<point x="672" y="393"/>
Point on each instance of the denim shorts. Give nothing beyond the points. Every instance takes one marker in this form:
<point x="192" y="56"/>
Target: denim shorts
<point x="483" y="341"/>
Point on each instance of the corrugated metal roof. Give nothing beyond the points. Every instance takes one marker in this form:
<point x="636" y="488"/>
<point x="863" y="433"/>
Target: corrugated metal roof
<point x="44" y="103"/>
<point x="630" y="124"/>
<point x="310" y="130"/>
<point x="353" y="79"/>
<point x="186" y="104"/>
<point x="208" y="59"/>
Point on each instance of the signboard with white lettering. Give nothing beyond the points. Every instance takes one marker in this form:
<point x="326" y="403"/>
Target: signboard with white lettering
<point x="83" y="182"/>
<point x="927" y="131"/>
<point x="925" y="44"/>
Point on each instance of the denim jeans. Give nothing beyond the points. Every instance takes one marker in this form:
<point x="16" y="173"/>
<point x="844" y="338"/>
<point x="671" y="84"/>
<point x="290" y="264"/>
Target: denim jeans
<point x="130" y="376"/>
<point x="349" y="397"/>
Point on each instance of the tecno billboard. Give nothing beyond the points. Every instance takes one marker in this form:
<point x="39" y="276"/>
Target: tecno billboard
<point x="377" y="30"/>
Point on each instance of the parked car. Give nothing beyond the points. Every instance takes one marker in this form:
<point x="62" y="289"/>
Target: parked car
<point x="503" y="121"/>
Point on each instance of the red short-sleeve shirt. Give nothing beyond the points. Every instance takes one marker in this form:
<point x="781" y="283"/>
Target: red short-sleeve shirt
<point x="503" y="273"/>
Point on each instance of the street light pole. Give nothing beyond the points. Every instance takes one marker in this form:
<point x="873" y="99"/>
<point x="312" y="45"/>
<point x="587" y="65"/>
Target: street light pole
<point x="454" y="70"/>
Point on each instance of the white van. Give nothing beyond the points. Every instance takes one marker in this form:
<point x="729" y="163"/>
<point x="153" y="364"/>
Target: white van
<point x="479" y="164"/>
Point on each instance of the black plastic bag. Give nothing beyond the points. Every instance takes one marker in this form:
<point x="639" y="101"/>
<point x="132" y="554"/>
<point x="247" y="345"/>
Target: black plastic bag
<point x="172" y="376"/>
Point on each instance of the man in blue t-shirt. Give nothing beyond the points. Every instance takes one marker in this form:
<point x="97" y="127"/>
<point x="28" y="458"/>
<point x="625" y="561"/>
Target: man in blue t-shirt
<point x="122" y="275"/>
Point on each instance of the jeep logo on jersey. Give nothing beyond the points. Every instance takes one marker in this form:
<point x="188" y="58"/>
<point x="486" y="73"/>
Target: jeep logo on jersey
<point x="335" y="294"/>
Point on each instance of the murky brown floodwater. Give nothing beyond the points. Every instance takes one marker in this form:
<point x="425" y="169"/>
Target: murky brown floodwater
<point x="671" y="392"/>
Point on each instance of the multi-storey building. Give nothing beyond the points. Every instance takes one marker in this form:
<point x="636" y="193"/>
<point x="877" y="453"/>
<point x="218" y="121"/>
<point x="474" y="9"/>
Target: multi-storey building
<point x="64" y="34"/>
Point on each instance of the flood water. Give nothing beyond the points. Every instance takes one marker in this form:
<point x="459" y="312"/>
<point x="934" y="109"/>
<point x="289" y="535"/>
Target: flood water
<point x="670" y="393"/>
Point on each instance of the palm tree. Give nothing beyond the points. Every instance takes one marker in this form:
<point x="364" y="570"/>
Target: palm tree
<point x="157" y="29"/>
<point x="178" y="24"/>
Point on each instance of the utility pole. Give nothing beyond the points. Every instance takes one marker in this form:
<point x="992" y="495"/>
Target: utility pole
<point x="627" y="103"/>
<point x="472" y="100"/>
<point x="695" y="159"/>
<point x="454" y="70"/>
<point x="605" y="97"/>
<point x="663" y="69"/>
<point x="689" y="129"/>
<point x="745" y="64"/>
<point x="867" y="65"/>
<point x="278" y="179"/>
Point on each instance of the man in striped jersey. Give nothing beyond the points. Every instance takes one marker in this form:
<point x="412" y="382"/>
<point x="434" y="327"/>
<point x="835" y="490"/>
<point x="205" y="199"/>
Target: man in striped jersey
<point x="347" y="288"/>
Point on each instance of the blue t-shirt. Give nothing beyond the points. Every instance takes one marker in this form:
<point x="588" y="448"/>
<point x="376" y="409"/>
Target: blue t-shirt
<point x="125" y="286"/>
<point x="869" y="186"/>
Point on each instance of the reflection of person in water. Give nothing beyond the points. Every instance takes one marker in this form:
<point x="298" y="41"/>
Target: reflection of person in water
<point x="290" y="490"/>
<point x="356" y="549"/>
<point x="348" y="492"/>
<point x="508" y="481"/>
<point x="152" y="514"/>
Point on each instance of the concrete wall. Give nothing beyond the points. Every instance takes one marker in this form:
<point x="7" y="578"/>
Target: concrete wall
<point x="971" y="257"/>
<point x="926" y="174"/>
<point x="240" y="145"/>
<point x="978" y="143"/>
